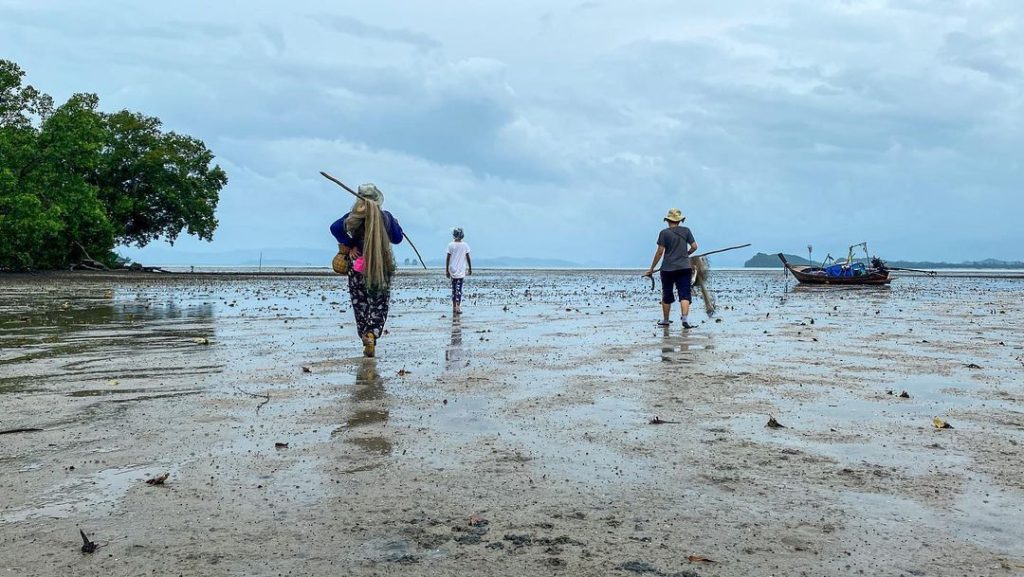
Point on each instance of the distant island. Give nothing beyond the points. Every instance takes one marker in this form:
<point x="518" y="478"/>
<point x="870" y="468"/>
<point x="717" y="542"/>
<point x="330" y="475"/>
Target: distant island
<point x="504" y="262"/>
<point x="762" y="260"/>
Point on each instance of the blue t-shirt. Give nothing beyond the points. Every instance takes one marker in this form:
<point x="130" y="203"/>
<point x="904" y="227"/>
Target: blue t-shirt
<point x="677" y="241"/>
<point x="390" y="222"/>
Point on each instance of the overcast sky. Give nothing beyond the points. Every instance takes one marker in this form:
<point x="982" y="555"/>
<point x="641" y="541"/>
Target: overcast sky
<point x="567" y="129"/>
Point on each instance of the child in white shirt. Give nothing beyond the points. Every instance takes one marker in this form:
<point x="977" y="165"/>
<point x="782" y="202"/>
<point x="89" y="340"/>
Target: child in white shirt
<point x="458" y="265"/>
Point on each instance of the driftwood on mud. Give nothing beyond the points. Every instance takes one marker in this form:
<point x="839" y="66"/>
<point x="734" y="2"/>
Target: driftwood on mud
<point x="265" y="397"/>
<point x="20" y="430"/>
<point x="88" y="545"/>
<point x="87" y="262"/>
<point x="136" y="267"/>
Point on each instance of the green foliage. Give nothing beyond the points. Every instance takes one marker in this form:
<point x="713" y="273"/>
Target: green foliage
<point x="156" y="184"/>
<point x="75" y="182"/>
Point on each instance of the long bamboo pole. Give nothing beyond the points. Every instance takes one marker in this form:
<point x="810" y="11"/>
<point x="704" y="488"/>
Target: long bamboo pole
<point x="721" y="250"/>
<point x="355" y="194"/>
<point x="710" y="252"/>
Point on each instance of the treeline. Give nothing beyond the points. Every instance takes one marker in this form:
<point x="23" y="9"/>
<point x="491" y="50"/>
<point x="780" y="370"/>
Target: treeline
<point x="76" y="182"/>
<point x="973" y="264"/>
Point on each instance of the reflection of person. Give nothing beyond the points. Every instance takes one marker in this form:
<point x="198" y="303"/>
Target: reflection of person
<point x="453" y="354"/>
<point x="676" y="244"/>
<point x="369" y="406"/>
<point x="365" y="235"/>
<point x="669" y="348"/>
<point x="458" y="265"/>
<point x="369" y="384"/>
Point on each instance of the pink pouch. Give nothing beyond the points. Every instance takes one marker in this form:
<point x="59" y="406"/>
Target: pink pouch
<point x="359" y="265"/>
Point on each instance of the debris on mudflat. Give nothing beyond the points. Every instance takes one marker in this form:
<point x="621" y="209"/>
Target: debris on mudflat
<point x="639" y="567"/>
<point x="307" y="370"/>
<point x="699" y="559"/>
<point x="87" y="545"/>
<point x="904" y="395"/>
<point x="973" y="366"/>
<point x="773" y="424"/>
<point x="280" y="445"/>
<point x="403" y="372"/>
<point x="940" y="424"/>
<point x="660" y="421"/>
<point x="519" y="540"/>
<point x="158" y="480"/>
<point x="20" y="430"/>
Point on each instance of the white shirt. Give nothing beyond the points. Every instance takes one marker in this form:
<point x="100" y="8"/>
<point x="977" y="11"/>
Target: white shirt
<point x="457" y="264"/>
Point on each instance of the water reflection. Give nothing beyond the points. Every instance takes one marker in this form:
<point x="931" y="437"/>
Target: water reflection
<point x="683" y="347"/>
<point x="50" y="323"/>
<point x="815" y="289"/>
<point x="89" y="335"/>
<point x="370" y="407"/>
<point x="454" y="353"/>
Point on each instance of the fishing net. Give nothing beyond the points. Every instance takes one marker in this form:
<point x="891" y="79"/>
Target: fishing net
<point x="702" y="281"/>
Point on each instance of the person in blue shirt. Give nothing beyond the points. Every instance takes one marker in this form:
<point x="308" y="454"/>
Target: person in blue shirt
<point x="365" y="235"/>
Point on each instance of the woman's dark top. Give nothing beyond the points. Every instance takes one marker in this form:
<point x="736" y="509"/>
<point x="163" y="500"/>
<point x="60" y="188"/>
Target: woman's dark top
<point x="390" y="222"/>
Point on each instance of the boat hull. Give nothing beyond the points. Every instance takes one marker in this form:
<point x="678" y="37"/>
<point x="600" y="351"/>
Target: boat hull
<point x="803" y="275"/>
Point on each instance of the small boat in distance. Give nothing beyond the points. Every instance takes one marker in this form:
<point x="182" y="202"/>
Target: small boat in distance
<point x="848" y="272"/>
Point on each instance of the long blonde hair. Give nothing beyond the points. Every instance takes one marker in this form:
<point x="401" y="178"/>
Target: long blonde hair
<point x="366" y="221"/>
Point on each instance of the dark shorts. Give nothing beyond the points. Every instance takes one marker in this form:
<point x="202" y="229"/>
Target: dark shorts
<point x="680" y="279"/>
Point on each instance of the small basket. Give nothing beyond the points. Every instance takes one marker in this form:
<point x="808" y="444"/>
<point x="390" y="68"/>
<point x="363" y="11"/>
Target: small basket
<point x="340" y="263"/>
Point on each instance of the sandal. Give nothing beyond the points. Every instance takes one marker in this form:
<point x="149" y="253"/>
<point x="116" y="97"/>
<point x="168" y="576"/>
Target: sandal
<point x="369" y="345"/>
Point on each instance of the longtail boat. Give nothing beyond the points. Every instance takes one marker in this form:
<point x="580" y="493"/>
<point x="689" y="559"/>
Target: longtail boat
<point x="848" y="272"/>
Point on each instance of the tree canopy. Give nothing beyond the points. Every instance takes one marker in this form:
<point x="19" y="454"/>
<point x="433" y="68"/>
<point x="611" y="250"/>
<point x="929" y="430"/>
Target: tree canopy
<point x="75" y="181"/>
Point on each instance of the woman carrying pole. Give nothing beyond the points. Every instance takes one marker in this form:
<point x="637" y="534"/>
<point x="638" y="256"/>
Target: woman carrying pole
<point x="365" y="235"/>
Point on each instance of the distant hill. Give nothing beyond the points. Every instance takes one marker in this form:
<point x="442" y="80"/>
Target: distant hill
<point x="504" y="262"/>
<point x="315" y="257"/>
<point x="762" y="260"/>
<point x="987" y="263"/>
<point x="169" y="256"/>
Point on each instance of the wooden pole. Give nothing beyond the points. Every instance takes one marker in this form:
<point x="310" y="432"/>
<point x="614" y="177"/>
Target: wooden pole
<point x="708" y="253"/>
<point x="356" y="194"/>
<point x="651" y="276"/>
<point x="721" y="250"/>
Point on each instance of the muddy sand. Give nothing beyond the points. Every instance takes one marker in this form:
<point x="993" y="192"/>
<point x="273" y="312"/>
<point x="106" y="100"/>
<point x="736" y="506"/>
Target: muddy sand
<point x="515" y="440"/>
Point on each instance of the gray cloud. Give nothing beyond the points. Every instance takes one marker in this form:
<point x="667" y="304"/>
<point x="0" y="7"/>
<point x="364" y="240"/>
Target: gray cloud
<point x="981" y="54"/>
<point x="360" y="29"/>
<point x="567" y="129"/>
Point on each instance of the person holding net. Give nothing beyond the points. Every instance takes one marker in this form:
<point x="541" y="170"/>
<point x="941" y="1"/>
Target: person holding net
<point x="675" y="244"/>
<point x="365" y="235"/>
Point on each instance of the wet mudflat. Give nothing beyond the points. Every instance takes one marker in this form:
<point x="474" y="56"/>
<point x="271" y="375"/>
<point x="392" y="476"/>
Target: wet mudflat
<point x="515" y="440"/>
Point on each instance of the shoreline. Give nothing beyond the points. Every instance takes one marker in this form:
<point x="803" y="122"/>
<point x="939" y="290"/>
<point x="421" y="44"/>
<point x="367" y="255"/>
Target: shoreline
<point x="326" y="272"/>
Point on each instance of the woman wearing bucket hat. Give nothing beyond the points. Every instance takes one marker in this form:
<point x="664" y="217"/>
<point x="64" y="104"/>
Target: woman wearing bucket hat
<point x="676" y="244"/>
<point x="365" y="235"/>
